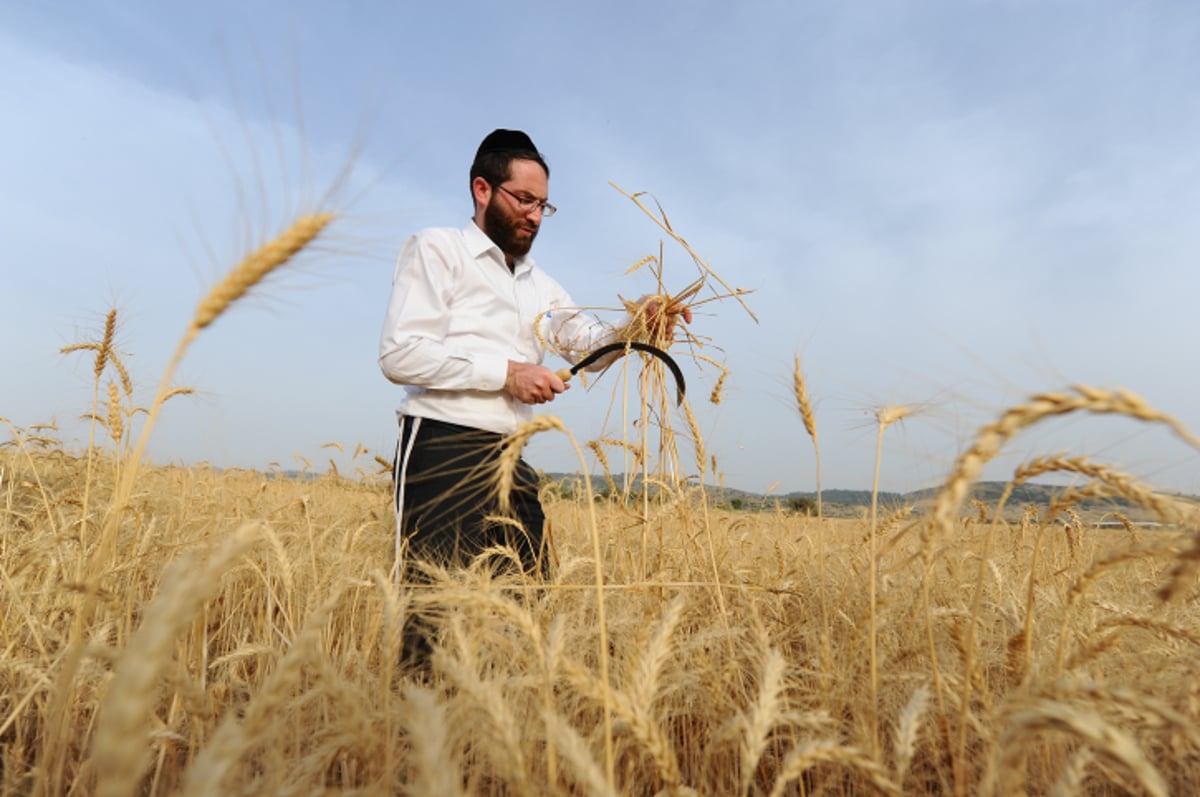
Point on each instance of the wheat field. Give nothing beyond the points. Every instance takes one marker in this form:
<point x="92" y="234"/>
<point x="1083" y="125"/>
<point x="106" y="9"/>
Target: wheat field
<point x="184" y="630"/>
<point x="240" y="636"/>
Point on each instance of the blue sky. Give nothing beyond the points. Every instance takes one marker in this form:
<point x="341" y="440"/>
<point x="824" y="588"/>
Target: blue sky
<point x="951" y="205"/>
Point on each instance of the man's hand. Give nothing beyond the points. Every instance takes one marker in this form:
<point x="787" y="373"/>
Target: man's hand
<point x="532" y="384"/>
<point x="661" y="321"/>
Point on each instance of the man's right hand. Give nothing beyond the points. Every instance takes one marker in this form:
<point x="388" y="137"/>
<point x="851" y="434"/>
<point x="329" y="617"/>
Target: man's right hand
<point x="533" y="384"/>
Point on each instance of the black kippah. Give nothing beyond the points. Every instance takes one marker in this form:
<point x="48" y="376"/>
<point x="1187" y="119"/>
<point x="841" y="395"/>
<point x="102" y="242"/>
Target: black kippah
<point x="506" y="141"/>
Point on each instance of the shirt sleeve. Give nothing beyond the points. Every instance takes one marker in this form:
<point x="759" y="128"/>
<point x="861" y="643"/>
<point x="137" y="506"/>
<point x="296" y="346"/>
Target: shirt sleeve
<point x="412" y="345"/>
<point x="572" y="333"/>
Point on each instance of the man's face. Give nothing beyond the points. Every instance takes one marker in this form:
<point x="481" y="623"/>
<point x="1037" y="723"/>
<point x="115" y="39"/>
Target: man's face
<point x="510" y="227"/>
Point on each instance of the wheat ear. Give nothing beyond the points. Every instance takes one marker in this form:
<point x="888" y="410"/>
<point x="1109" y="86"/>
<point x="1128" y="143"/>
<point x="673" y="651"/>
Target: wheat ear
<point x="640" y="723"/>
<point x="122" y="742"/>
<point x="993" y="437"/>
<point x="104" y="351"/>
<point x="227" y="745"/>
<point x="574" y="750"/>
<point x="697" y="440"/>
<point x="808" y="418"/>
<point x="907" y="729"/>
<point x="1109" y="742"/>
<point x="255" y="267"/>
<point x="808" y="754"/>
<point x="510" y="456"/>
<point x="499" y="735"/>
<point x="1070" y="782"/>
<point x="762" y="715"/>
<point x="438" y="770"/>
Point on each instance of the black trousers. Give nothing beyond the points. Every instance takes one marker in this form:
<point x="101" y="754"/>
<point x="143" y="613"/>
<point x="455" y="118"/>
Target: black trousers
<point x="447" y="500"/>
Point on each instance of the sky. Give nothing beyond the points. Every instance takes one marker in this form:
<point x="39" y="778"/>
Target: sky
<point x="949" y="205"/>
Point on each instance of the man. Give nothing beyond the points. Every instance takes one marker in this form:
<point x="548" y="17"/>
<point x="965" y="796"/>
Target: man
<point x="460" y="336"/>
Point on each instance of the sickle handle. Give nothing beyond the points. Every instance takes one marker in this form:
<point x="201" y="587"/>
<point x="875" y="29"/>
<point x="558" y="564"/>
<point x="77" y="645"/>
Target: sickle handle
<point x="564" y="374"/>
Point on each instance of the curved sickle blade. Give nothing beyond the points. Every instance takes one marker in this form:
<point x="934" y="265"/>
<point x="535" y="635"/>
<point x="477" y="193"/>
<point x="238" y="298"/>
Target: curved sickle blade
<point x="609" y="348"/>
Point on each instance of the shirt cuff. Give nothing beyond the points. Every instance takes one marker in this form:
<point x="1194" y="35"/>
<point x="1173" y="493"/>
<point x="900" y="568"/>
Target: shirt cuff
<point x="491" y="373"/>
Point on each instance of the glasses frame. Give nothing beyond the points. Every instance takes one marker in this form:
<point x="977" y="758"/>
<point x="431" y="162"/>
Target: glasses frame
<point x="529" y="204"/>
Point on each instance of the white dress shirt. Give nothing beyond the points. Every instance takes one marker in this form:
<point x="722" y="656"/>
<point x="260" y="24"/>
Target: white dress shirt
<point x="457" y="315"/>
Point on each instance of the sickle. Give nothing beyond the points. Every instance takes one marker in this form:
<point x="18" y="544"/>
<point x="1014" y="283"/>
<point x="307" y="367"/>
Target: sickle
<point x="566" y="373"/>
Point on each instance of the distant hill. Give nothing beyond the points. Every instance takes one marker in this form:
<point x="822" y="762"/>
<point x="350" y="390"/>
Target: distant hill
<point x="839" y="502"/>
<point x="847" y="503"/>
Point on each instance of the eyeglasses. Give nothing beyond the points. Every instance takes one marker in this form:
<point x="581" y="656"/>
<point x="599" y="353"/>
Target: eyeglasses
<point x="528" y="204"/>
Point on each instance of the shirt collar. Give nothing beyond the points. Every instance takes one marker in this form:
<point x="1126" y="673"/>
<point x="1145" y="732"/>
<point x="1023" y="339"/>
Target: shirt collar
<point x="479" y="244"/>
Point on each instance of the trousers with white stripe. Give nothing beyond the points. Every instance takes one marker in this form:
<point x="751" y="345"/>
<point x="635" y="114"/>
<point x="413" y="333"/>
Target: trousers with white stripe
<point x="447" y="502"/>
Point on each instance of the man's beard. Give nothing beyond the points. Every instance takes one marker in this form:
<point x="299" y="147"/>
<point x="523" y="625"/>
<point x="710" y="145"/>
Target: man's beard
<point x="507" y="231"/>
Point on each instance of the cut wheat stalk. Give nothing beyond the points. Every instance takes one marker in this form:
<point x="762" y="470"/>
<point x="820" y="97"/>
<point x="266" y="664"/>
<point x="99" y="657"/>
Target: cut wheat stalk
<point x="666" y="227"/>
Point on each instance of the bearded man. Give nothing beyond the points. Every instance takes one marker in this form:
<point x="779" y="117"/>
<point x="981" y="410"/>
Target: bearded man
<point x="460" y="336"/>
<point x="464" y="332"/>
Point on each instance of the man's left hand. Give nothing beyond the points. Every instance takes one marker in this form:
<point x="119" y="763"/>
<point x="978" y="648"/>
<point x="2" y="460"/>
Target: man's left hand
<point x="660" y="319"/>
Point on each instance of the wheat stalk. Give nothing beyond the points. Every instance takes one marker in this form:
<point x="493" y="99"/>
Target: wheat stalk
<point x="717" y="395"/>
<point x="907" y="728"/>
<point x="437" y="769"/>
<point x="106" y="343"/>
<point x="206" y="773"/>
<point x="255" y="267"/>
<point x="988" y="443"/>
<point x="1070" y="782"/>
<point x="993" y="437"/>
<point x="1108" y="742"/>
<point x="885" y="417"/>
<point x="636" y="716"/>
<point x="499" y="723"/>
<point x="510" y="454"/>
<point x="762" y="715"/>
<point x="120" y="752"/>
<point x="808" y="754"/>
<point x="104" y="353"/>
<point x="574" y="750"/>
<point x="697" y="440"/>
<point x="808" y="418"/>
